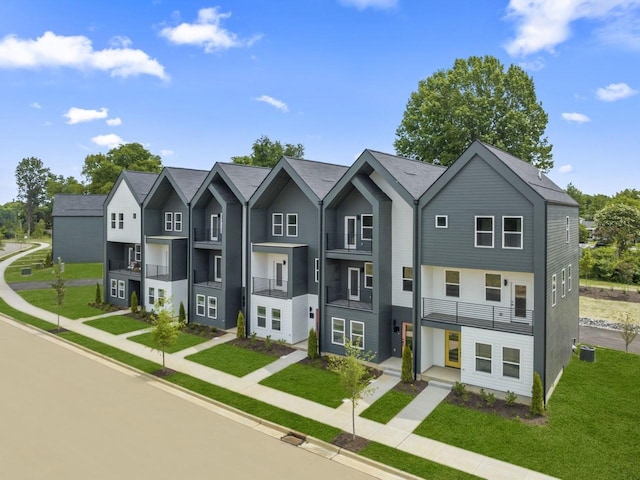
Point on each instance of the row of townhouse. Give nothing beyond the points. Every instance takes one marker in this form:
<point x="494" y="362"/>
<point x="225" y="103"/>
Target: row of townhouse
<point x="474" y="266"/>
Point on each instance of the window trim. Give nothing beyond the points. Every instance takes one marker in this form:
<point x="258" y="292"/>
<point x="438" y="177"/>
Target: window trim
<point x="177" y="221"/>
<point x="218" y="223"/>
<point x="481" y="358"/>
<point x="262" y="317"/>
<point x="121" y="289"/>
<point x="359" y="346"/>
<point x="498" y="288"/>
<point x="294" y="225"/>
<point x="520" y="233"/>
<point x="368" y="278"/>
<point x="512" y="363"/>
<point x="200" y="305"/>
<point x="161" y="296"/>
<point x="113" y="220"/>
<point x="570" y="276"/>
<point x="493" y="228"/>
<point x="563" y="283"/>
<point x="554" y="290"/>
<point x="120" y="221"/>
<point x="275" y="224"/>
<point x="446" y="221"/>
<point x="568" y="229"/>
<point x="316" y="270"/>
<point x="217" y="272"/>
<point x="114" y="288"/>
<point x="368" y="228"/>
<point x="334" y="322"/>
<point x="407" y="280"/>
<point x="168" y="221"/>
<point x="447" y="283"/>
<point x="273" y="320"/>
<point x="151" y="296"/>
<point x="137" y="252"/>
<point x="213" y="307"/>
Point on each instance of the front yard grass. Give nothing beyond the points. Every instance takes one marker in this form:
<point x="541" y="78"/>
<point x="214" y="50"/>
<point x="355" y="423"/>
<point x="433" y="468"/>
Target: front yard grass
<point x="118" y="324"/>
<point x="72" y="271"/>
<point x="387" y="406"/>
<point x="231" y="359"/>
<point x="592" y="429"/>
<point x="309" y="381"/>
<point x="184" y="340"/>
<point x="75" y="305"/>
<point x="611" y="310"/>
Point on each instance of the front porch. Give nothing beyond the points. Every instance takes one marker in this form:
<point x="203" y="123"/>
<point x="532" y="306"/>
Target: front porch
<point x="447" y="375"/>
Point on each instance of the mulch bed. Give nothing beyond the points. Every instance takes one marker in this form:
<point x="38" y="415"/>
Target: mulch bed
<point x="192" y="328"/>
<point x="411" y="388"/>
<point x="163" y="373"/>
<point x="516" y="411"/>
<point x="259" y="345"/>
<point x="345" y="440"/>
<point x="106" y="307"/>
<point x="601" y="293"/>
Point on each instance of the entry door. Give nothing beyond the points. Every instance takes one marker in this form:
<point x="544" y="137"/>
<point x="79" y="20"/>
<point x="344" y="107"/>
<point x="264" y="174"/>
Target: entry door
<point x="354" y="284"/>
<point x="280" y="276"/>
<point x="452" y="349"/>
<point x="349" y="233"/>
<point x="520" y="301"/>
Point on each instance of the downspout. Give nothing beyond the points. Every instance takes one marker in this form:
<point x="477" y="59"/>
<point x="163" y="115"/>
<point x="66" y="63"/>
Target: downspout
<point x="544" y="330"/>
<point x="320" y="276"/>
<point x="189" y="264"/>
<point x="246" y="271"/>
<point x="416" y="297"/>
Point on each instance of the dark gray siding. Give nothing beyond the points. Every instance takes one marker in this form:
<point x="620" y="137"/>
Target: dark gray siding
<point x="222" y="321"/>
<point x="399" y="315"/>
<point x="371" y="331"/>
<point x="78" y="239"/>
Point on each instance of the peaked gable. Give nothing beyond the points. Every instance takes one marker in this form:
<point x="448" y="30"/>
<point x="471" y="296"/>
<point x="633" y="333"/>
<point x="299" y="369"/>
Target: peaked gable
<point x="184" y="181"/>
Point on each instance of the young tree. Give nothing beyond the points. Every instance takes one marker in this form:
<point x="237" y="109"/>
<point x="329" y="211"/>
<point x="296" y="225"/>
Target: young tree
<point x="58" y="286"/>
<point x="266" y="153"/>
<point x="312" y="344"/>
<point x="240" y="330"/>
<point x="537" y="396"/>
<point x="620" y="223"/>
<point x="354" y="375"/>
<point x="31" y="180"/>
<point x="182" y="316"/>
<point x="98" y="294"/>
<point x="628" y="331"/>
<point x="165" y="331"/>
<point x="134" y="302"/>
<point x="476" y="99"/>
<point x="586" y="264"/>
<point x="407" y="368"/>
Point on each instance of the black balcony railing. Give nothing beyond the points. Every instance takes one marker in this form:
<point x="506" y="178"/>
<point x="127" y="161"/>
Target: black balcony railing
<point x="350" y="242"/>
<point x="342" y="297"/>
<point x="506" y="319"/>
<point x="203" y="279"/>
<point x="131" y="268"/>
<point x="269" y="287"/>
<point x="158" y="272"/>
<point x="204" y="235"/>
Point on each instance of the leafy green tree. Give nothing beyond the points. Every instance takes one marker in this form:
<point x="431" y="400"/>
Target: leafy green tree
<point x="619" y="223"/>
<point x="31" y="180"/>
<point x="165" y="331"/>
<point x="38" y="231"/>
<point x="312" y="344"/>
<point x="583" y="234"/>
<point x="354" y="375"/>
<point x="241" y="326"/>
<point x="407" y="368"/>
<point x="475" y="99"/>
<point x="101" y="171"/>
<point x="58" y="286"/>
<point x="586" y="263"/>
<point x="266" y="153"/>
<point x="537" y="396"/>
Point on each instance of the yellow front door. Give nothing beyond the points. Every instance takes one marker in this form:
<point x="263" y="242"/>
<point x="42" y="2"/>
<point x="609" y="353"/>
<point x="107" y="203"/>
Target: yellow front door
<point x="452" y="349"/>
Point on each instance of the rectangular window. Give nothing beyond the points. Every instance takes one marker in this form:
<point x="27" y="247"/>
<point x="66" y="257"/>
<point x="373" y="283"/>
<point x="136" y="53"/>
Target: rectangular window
<point x="114" y="288"/>
<point x="570" y="279"/>
<point x="217" y="268"/>
<point x="483" y="357"/>
<point x="452" y="283"/>
<point x="493" y="287"/>
<point x="337" y="331"/>
<point x="366" y="227"/>
<point x="168" y="221"/>
<point x="212" y="307"/>
<point x="200" y="305"/>
<point x="512" y="232"/>
<point x="262" y="317"/>
<point x="484" y="232"/>
<point x="138" y="252"/>
<point x="292" y="224"/>
<point x="134" y="215"/>
<point x="554" y="290"/>
<point x="567" y="228"/>
<point x="357" y="334"/>
<point x="151" y="295"/>
<point x="368" y="275"/>
<point x="216" y="226"/>
<point x="161" y="297"/>
<point x="113" y="220"/>
<point x="276" y="224"/>
<point x="563" y="283"/>
<point x="407" y="279"/>
<point x="442" y="221"/>
<point x="510" y="362"/>
<point x="275" y="319"/>
<point x="121" y="221"/>
<point x="121" y="289"/>
<point x="316" y="269"/>
<point x="177" y="221"/>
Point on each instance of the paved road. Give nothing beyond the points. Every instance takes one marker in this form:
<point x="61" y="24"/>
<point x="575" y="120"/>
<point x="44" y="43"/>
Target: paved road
<point x="606" y="338"/>
<point x="66" y="415"/>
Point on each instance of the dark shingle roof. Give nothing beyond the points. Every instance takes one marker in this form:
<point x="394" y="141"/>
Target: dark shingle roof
<point x="246" y="178"/>
<point x="140" y="183"/>
<point x="74" y="205"/>
<point x="538" y="181"/>
<point x="413" y="175"/>
<point x="319" y="176"/>
<point x="188" y="180"/>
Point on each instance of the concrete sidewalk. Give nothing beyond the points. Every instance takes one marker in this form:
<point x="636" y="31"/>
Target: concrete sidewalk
<point x="397" y="433"/>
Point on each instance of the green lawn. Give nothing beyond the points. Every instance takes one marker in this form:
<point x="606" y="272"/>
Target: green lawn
<point x="232" y="359"/>
<point x="185" y="340"/>
<point x="118" y="324"/>
<point x="75" y="303"/>
<point x="605" y="284"/>
<point x="593" y="424"/>
<point x="72" y="271"/>
<point x="387" y="406"/>
<point x="310" y="382"/>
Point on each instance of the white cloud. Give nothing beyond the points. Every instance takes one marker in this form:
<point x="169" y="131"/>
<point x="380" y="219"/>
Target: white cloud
<point x="35" y="105"/>
<point x="120" y="41"/>
<point x="362" y="4"/>
<point x="533" y="65"/>
<point x="565" y="168"/>
<point x="615" y="91"/>
<point x="80" y="115"/>
<point x="166" y="153"/>
<point x="279" y="104"/>
<point x="114" y="122"/>
<point x="111" y="140"/>
<point x="544" y="24"/>
<point x="76" y="52"/>
<point x="576" y="117"/>
<point x="206" y="32"/>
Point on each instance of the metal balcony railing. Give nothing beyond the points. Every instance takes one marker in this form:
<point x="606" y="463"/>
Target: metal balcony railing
<point x="350" y="242"/>
<point x="132" y="268"/>
<point x="204" y="235"/>
<point x="204" y="279"/>
<point x="342" y="297"/>
<point x="158" y="272"/>
<point x="269" y="287"/>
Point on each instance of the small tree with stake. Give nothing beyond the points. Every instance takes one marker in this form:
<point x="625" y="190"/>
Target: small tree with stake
<point x="628" y="331"/>
<point x="165" y="331"/>
<point x="58" y="286"/>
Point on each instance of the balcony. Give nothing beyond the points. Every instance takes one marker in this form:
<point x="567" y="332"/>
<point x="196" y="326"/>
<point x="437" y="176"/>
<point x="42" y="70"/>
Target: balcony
<point x="204" y="235"/>
<point x="129" y="268"/>
<point x="157" y="272"/>
<point x="342" y="297"/>
<point x="203" y="279"/>
<point x="505" y="319"/>
<point x="348" y="243"/>
<point x="269" y="287"/>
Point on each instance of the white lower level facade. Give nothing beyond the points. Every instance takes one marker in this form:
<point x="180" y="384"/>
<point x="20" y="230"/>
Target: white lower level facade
<point x="166" y="293"/>
<point x="283" y="319"/>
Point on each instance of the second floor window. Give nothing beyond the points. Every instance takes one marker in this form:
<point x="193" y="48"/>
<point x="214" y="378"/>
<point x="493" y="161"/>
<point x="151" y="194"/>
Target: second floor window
<point x="493" y="287"/>
<point x="276" y="224"/>
<point x="292" y="224"/>
<point x="407" y="279"/>
<point x="484" y="232"/>
<point x="121" y="221"/>
<point x="368" y="275"/>
<point x="511" y="232"/>
<point x="113" y="220"/>
<point x="168" y="221"/>
<point x="177" y="221"/>
<point x="366" y="228"/>
<point x="452" y="283"/>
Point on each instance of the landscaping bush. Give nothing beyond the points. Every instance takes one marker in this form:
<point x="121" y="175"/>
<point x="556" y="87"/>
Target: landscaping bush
<point x="240" y="331"/>
<point x="312" y="344"/>
<point x="98" y="295"/>
<point x="182" y="316"/>
<point x="537" y="402"/>
<point x="510" y="399"/>
<point x="407" y="370"/>
<point x="134" y="302"/>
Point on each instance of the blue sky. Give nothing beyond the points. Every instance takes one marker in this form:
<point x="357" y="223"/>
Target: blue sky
<point x="199" y="82"/>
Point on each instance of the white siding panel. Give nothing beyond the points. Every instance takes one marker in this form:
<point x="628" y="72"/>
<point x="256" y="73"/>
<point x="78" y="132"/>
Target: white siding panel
<point x="175" y="292"/>
<point x="286" y="315"/>
<point x="301" y="304"/>
<point x="123" y="201"/>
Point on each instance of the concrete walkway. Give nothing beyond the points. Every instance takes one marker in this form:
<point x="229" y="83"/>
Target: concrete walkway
<point x="397" y="434"/>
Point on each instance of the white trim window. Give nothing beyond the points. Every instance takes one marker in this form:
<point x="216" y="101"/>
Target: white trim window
<point x="452" y="283"/>
<point x="177" y="222"/>
<point x="161" y="296"/>
<point x="554" y="290"/>
<point x="138" y="252"/>
<point x="563" y="283"/>
<point x="484" y="232"/>
<point x="217" y="268"/>
<point x="275" y="319"/>
<point x="357" y="334"/>
<point x="121" y="221"/>
<point x="567" y="229"/>
<point x="316" y="270"/>
<point x="114" y="288"/>
<point x="215" y="233"/>
<point x="113" y="220"/>
<point x="407" y="279"/>
<point x="168" y="221"/>
<point x="366" y="227"/>
<point x="570" y="277"/>
<point x="368" y="275"/>
<point x="200" y="305"/>
<point x="292" y="224"/>
<point x="151" y="296"/>
<point x="276" y="224"/>
<point x="493" y="287"/>
<point x="510" y="362"/>
<point x="121" y="290"/>
<point x="212" y="307"/>
<point x="483" y="357"/>
<point x="442" y="221"/>
<point x="512" y="232"/>
<point x="337" y="331"/>
<point x="262" y="316"/>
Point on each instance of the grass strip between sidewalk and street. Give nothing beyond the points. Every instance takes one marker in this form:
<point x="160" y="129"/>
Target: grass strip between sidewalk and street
<point x="25" y="317"/>
<point x="387" y="406"/>
<point x="232" y="359"/>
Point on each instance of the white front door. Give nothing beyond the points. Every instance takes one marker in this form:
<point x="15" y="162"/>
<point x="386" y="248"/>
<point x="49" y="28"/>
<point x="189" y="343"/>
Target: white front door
<point x="349" y="233"/>
<point x="354" y="284"/>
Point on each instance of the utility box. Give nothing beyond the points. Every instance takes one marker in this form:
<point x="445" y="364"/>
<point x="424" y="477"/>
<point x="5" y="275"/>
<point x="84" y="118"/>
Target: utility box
<point x="26" y="271"/>
<point x="587" y="354"/>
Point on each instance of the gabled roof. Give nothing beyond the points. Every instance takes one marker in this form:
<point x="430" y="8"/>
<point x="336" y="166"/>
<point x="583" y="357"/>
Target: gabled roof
<point x="140" y="183"/>
<point x="76" y="205"/>
<point x="246" y="178"/>
<point x="187" y="180"/>
<point x="320" y="177"/>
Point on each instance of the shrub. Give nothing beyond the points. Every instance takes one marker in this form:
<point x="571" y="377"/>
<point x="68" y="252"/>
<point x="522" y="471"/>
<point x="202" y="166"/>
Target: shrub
<point x="510" y="399"/>
<point x="312" y="344"/>
<point x="134" y="302"/>
<point x="267" y="343"/>
<point x="98" y="295"/>
<point x="490" y="400"/>
<point x="240" y="331"/>
<point x="48" y="260"/>
<point x="459" y="389"/>
<point x="407" y="370"/>
<point x="537" y="402"/>
<point x="253" y="339"/>
<point x="182" y="316"/>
